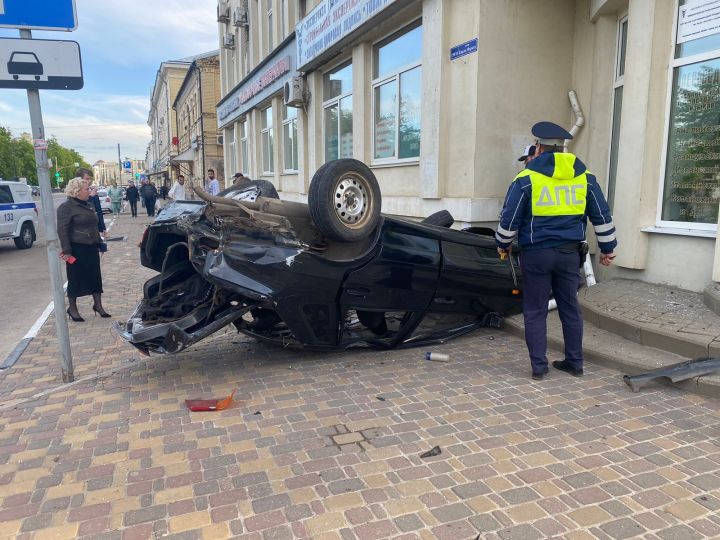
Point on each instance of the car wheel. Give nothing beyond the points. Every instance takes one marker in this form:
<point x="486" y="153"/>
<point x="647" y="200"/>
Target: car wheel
<point x="344" y="200"/>
<point x="443" y="218"/>
<point x="25" y="240"/>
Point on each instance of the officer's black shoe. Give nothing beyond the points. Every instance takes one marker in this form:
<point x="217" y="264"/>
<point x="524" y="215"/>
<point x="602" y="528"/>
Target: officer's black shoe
<point x="538" y="376"/>
<point x="567" y="368"/>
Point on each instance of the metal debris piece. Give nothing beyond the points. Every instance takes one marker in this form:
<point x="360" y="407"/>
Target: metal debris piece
<point x="675" y="372"/>
<point x="434" y="451"/>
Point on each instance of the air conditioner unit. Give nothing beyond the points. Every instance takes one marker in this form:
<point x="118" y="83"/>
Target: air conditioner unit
<point x="294" y="93"/>
<point x="223" y="12"/>
<point x="220" y="139"/>
<point x="240" y="16"/>
<point x="229" y="41"/>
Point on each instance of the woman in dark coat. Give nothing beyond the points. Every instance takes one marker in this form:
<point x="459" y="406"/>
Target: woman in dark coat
<point x="80" y="241"/>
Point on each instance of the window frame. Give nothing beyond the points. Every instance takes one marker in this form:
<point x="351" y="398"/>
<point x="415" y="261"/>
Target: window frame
<point x="271" y="147"/>
<point x="270" y="36"/>
<point x="335" y="101"/>
<point x="680" y="227"/>
<point x="232" y="146"/>
<point x="380" y="81"/>
<point x="293" y="124"/>
<point x="244" y="146"/>
<point x="618" y="82"/>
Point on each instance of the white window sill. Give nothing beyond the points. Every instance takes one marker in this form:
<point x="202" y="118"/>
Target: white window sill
<point x="680" y="232"/>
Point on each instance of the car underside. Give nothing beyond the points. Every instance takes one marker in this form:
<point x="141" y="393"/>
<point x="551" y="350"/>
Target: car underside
<point x="266" y="266"/>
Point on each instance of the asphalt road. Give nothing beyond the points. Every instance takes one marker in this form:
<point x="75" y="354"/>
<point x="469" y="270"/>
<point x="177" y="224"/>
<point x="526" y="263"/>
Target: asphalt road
<point x="25" y="286"/>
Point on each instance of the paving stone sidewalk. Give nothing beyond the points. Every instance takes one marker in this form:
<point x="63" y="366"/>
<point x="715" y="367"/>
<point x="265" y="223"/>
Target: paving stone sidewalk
<point x="94" y="348"/>
<point x="654" y="315"/>
<point x="327" y="446"/>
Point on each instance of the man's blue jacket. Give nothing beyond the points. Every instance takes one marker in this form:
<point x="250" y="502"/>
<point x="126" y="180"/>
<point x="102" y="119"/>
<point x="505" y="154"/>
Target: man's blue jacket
<point x="548" y="205"/>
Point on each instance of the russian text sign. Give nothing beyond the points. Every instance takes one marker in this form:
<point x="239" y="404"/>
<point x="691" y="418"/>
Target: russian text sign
<point x="698" y="19"/>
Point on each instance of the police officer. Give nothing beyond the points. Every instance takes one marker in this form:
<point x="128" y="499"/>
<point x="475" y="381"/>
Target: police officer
<point x="548" y="204"/>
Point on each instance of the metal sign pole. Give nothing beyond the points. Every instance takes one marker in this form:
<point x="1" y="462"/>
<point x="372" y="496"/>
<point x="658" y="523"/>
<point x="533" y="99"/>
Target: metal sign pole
<point x="48" y="210"/>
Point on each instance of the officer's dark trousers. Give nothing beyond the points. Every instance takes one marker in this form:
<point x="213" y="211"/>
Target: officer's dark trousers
<point x="544" y="270"/>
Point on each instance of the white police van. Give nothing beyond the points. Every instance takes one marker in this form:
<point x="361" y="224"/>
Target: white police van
<point x="18" y="214"/>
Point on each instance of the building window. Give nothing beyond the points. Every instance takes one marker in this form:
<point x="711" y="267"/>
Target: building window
<point x="290" y="162"/>
<point x="283" y="19"/>
<point x="232" y="156"/>
<point x="691" y="189"/>
<point x="337" y="96"/>
<point x="617" y="107"/>
<point x="271" y="44"/>
<point x="245" y="163"/>
<point x="396" y="95"/>
<point x="267" y="140"/>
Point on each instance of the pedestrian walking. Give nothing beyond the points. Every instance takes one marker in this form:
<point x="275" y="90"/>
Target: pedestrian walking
<point x="547" y="207"/>
<point x="77" y="228"/>
<point x="149" y="194"/>
<point x="132" y="195"/>
<point x="115" y="194"/>
<point x="177" y="191"/>
<point x="212" y="185"/>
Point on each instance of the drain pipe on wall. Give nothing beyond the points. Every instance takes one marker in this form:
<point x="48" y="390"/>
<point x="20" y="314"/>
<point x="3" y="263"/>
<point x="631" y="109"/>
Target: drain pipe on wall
<point x="579" y="123"/>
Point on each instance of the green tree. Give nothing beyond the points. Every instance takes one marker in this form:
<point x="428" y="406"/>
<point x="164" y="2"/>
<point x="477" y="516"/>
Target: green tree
<point x="6" y="156"/>
<point x="17" y="158"/>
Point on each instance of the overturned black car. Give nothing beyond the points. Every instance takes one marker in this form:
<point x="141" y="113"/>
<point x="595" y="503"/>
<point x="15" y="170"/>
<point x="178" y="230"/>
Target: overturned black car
<point x="328" y="275"/>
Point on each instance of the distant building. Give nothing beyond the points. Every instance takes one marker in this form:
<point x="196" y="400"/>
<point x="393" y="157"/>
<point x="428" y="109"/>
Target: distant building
<point x="199" y="147"/>
<point x="105" y="172"/>
<point x="161" y="119"/>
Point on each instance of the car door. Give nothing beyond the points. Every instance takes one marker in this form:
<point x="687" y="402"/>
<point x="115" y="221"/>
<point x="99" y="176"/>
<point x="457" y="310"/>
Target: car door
<point x="402" y="277"/>
<point x="7" y="212"/>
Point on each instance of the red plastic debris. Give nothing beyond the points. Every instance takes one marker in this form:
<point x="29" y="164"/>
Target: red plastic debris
<point x="209" y="404"/>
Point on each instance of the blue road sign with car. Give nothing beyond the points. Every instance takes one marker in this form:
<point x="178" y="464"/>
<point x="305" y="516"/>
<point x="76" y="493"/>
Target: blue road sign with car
<point x="40" y="63"/>
<point x="38" y="14"/>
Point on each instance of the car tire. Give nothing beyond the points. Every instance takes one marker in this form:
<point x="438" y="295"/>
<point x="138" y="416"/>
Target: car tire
<point x="344" y="200"/>
<point x="26" y="238"/>
<point x="443" y="218"/>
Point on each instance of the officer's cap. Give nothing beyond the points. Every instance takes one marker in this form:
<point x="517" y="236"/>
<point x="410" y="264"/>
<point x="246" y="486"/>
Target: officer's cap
<point x="529" y="151"/>
<point x="550" y="134"/>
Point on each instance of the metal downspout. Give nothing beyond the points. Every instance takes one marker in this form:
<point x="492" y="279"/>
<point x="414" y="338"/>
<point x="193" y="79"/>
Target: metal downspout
<point x="579" y="123"/>
<point x="202" y="124"/>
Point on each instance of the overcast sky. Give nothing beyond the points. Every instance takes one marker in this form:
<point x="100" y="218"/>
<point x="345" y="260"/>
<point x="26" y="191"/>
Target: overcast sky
<point x="122" y="43"/>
